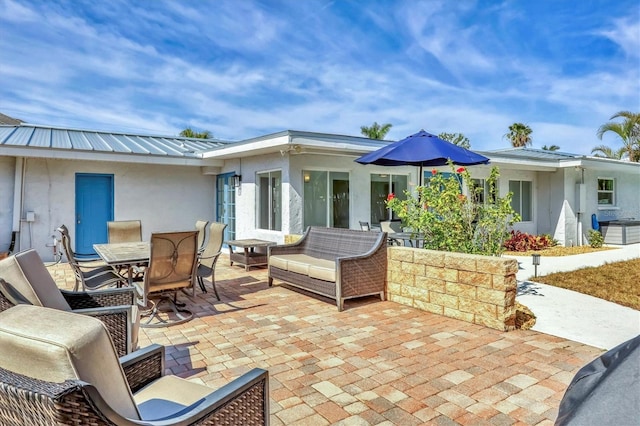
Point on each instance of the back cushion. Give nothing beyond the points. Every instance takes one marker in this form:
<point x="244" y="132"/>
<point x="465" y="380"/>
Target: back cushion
<point x="26" y="273"/>
<point x="329" y="243"/>
<point x="53" y="345"/>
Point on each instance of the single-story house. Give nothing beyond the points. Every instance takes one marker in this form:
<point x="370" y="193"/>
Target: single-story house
<point x="265" y="187"/>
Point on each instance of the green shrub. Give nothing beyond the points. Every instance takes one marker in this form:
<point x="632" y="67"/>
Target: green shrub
<point x="596" y="240"/>
<point x="452" y="221"/>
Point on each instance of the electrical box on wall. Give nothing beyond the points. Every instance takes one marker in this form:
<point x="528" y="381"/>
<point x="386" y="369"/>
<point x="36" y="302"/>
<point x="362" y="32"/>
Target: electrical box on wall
<point x="581" y="198"/>
<point x="31" y="216"/>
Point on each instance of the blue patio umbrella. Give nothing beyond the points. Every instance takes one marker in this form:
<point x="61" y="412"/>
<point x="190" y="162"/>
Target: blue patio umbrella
<point x="424" y="150"/>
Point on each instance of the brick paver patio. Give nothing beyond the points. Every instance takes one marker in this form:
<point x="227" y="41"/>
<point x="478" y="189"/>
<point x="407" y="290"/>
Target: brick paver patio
<point x="374" y="363"/>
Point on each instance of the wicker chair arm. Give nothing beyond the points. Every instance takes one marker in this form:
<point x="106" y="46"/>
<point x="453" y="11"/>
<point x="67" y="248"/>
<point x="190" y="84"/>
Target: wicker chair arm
<point x="9" y="296"/>
<point x="381" y="243"/>
<point x="365" y="273"/>
<point x="100" y="298"/>
<point x="244" y="401"/>
<point x="143" y="366"/>
<point x="118" y="321"/>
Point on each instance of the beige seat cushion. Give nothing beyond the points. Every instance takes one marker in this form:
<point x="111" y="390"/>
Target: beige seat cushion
<point x="323" y="269"/>
<point x="54" y="345"/>
<point x="313" y="267"/>
<point x="26" y="272"/>
<point x="168" y="396"/>
<point x="282" y="260"/>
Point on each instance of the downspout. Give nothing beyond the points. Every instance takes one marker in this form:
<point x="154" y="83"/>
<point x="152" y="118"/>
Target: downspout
<point x="18" y="198"/>
<point x="579" y="238"/>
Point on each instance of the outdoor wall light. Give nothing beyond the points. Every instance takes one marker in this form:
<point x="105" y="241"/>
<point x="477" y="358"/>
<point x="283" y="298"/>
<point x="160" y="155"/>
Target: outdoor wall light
<point x="307" y="177"/>
<point x="536" y="261"/>
<point x="236" y="179"/>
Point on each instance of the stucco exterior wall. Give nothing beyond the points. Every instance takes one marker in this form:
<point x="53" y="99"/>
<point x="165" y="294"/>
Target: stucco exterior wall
<point x="164" y="198"/>
<point x="627" y="196"/>
<point x="292" y="166"/>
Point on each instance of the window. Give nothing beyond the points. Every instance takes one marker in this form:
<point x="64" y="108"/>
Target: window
<point x="270" y="200"/>
<point x="481" y="192"/>
<point x="606" y="195"/>
<point x="445" y="176"/>
<point x="522" y="199"/>
<point x="326" y="199"/>
<point x="381" y="186"/>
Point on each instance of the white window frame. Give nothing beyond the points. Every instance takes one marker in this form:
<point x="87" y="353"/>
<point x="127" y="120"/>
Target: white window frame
<point x="328" y="213"/>
<point x="400" y="195"/>
<point x="480" y="182"/>
<point x="270" y="226"/>
<point x="604" y="191"/>
<point x="519" y="208"/>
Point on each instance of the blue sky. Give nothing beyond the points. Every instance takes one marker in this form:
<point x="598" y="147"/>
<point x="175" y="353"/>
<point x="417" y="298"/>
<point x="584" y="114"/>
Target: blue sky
<point x="242" y="69"/>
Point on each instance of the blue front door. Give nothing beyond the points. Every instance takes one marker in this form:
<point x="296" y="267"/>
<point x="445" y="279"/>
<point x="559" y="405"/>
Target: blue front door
<point x="94" y="208"/>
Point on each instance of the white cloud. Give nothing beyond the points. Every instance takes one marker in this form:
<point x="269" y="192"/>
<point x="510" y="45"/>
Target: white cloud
<point x="626" y="34"/>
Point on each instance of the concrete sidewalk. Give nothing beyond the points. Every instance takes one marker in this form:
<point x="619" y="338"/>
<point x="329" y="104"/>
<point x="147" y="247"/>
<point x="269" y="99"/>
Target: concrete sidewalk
<point x="572" y="315"/>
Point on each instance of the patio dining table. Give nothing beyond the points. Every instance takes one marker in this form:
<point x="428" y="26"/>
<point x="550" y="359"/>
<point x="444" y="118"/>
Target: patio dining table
<point x="124" y="254"/>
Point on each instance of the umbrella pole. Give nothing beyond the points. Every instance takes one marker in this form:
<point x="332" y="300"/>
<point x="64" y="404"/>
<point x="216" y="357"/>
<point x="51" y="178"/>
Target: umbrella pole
<point x="421" y="177"/>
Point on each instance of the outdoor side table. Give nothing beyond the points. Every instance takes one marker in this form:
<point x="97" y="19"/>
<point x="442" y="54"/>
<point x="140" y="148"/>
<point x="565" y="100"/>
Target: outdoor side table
<point x="248" y="256"/>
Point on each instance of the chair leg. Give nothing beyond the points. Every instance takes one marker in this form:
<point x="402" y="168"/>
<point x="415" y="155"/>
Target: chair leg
<point x="202" y="287"/>
<point x="152" y="312"/>
<point x="213" y="283"/>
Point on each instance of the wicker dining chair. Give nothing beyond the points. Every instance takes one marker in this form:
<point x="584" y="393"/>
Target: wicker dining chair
<point x="172" y="267"/>
<point x="25" y="280"/>
<point x="59" y="368"/>
<point x="209" y="257"/>
<point x="89" y="275"/>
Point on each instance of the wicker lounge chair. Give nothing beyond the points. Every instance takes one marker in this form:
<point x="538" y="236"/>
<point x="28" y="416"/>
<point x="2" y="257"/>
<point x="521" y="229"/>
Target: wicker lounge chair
<point x="28" y="281"/>
<point x="55" y="374"/>
<point x="209" y="257"/>
<point x="172" y="267"/>
<point x="89" y="274"/>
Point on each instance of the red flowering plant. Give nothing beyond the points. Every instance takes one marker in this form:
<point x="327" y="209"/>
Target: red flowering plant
<point x="451" y="219"/>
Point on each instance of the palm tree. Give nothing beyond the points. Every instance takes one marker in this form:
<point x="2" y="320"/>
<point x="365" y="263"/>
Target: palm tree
<point x="628" y="130"/>
<point x="376" y="131"/>
<point x="519" y="135"/>
<point x="456" y="139"/>
<point x="190" y="133"/>
<point x="604" y="151"/>
<point x="550" y="148"/>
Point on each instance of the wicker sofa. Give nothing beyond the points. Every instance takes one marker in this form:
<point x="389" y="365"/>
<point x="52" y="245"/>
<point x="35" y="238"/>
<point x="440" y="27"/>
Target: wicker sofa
<point x="333" y="262"/>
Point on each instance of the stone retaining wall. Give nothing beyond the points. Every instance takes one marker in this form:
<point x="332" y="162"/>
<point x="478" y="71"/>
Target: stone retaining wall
<point x="472" y="288"/>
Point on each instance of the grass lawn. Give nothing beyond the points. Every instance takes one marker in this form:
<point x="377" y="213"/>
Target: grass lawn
<point x="617" y="282"/>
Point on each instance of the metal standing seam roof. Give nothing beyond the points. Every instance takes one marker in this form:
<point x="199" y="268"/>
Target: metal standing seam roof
<point x="533" y="154"/>
<point x="88" y="140"/>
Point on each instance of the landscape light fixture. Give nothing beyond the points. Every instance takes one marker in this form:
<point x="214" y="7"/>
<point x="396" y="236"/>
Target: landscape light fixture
<point x="536" y="261"/>
<point x="236" y="179"/>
